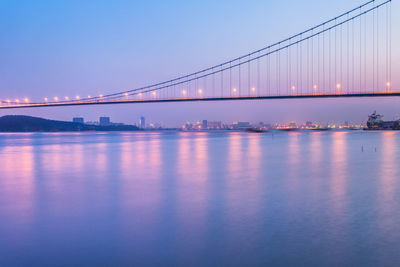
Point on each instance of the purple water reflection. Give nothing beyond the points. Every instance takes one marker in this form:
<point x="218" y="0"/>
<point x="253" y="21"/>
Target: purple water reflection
<point x="303" y="198"/>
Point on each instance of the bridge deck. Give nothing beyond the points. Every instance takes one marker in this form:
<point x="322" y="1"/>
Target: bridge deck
<point x="197" y="99"/>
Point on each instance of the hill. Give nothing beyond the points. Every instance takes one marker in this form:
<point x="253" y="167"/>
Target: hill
<point x="13" y="123"/>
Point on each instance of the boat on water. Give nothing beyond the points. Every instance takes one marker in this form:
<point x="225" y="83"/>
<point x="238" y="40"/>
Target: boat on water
<point x="320" y="129"/>
<point x="255" y="130"/>
<point x="287" y="129"/>
<point x="375" y="122"/>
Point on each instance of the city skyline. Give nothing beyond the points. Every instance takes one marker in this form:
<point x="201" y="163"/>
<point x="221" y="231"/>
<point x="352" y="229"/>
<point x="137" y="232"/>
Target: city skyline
<point x="143" y="123"/>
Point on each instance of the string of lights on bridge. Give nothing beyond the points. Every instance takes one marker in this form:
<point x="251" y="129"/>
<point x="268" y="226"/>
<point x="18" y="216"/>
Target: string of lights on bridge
<point x="348" y="54"/>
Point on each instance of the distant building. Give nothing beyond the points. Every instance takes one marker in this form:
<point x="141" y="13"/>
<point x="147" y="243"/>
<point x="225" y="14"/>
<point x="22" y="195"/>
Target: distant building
<point x="154" y="125"/>
<point x="205" y="124"/>
<point x="309" y="124"/>
<point x="142" y="122"/>
<point x="214" y="125"/>
<point x="241" y="125"/>
<point x="105" y="121"/>
<point x="78" y="120"/>
<point x="263" y="125"/>
<point x="188" y="126"/>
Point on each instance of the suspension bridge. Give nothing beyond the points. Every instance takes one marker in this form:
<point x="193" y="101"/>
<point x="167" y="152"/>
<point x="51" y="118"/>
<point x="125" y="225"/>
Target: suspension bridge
<point x="347" y="56"/>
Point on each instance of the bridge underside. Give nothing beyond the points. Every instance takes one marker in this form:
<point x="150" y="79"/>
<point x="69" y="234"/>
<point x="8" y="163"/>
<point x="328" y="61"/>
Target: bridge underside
<point x="200" y="99"/>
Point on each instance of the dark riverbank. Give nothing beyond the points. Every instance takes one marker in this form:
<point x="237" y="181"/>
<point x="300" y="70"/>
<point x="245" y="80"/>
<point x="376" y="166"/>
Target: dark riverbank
<point x="34" y="124"/>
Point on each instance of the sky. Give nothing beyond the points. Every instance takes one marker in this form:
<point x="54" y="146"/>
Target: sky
<point x="59" y="48"/>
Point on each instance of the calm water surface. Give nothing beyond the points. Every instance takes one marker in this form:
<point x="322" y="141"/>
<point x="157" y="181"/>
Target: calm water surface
<point x="188" y="199"/>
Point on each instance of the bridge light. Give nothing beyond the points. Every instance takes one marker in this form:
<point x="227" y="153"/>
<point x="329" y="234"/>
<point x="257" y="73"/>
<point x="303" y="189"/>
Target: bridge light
<point x="17" y="101"/>
<point x="184" y="92"/>
<point x="126" y="94"/>
<point x="338" y="86"/>
<point x="153" y="93"/>
<point x="293" y="87"/>
<point x="253" y="89"/>
<point x="78" y="97"/>
<point x="315" y="87"/>
<point x="56" y="98"/>
<point x="234" y="90"/>
<point x="388" y="84"/>
<point x="46" y="99"/>
<point x="26" y="100"/>
<point x="89" y="97"/>
<point x="8" y="101"/>
<point x="200" y="91"/>
<point x="140" y="94"/>
<point x="67" y="98"/>
<point x="101" y="96"/>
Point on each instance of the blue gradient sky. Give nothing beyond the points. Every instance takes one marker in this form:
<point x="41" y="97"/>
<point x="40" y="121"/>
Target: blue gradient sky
<point x="60" y="48"/>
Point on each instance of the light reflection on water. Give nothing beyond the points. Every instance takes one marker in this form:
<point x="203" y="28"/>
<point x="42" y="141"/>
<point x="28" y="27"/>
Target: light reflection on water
<point x="304" y="198"/>
<point x="340" y="174"/>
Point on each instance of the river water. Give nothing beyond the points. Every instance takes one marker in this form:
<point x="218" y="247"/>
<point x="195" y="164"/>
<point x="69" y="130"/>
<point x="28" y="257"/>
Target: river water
<point x="200" y="199"/>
